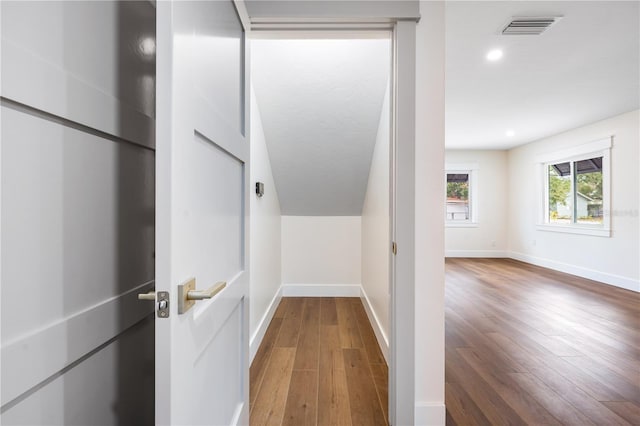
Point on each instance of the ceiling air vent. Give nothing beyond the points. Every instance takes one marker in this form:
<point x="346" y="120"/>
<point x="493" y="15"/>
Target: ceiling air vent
<point x="528" y="26"/>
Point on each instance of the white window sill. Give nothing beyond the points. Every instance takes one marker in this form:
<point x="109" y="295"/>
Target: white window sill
<point x="584" y="230"/>
<point x="461" y="224"/>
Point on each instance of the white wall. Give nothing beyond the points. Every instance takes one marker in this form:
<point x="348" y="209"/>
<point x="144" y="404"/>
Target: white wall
<point x="321" y="250"/>
<point x="264" y="256"/>
<point x="613" y="260"/>
<point x="429" y="242"/>
<point x="487" y="238"/>
<point x="375" y="229"/>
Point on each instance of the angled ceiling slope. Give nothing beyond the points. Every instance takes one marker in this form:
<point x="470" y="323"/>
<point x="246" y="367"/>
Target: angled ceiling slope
<point x="320" y="103"/>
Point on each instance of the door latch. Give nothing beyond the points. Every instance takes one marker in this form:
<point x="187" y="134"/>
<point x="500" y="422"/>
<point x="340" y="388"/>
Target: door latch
<point x="162" y="305"/>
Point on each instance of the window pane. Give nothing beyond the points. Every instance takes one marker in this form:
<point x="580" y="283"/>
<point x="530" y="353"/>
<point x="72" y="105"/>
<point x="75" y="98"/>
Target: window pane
<point x="457" y="196"/>
<point x="588" y="197"/>
<point x="560" y="202"/>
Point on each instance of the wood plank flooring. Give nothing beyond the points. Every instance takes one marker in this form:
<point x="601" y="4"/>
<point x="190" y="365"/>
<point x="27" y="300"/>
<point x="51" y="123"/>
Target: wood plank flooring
<point x="527" y="345"/>
<point x="319" y="364"/>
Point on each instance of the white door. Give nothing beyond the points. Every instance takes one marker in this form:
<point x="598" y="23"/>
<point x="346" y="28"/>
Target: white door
<point x="202" y="174"/>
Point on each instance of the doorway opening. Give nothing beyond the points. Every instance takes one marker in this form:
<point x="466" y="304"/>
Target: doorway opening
<point x="321" y="252"/>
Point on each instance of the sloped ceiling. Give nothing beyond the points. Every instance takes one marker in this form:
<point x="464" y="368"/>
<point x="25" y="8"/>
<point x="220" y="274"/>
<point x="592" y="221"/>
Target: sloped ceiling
<point x="584" y="68"/>
<point x="320" y="103"/>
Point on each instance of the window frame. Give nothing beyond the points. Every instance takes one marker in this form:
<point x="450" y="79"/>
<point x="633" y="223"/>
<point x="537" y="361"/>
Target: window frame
<point x="472" y="170"/>
<point x="599" y="148"/>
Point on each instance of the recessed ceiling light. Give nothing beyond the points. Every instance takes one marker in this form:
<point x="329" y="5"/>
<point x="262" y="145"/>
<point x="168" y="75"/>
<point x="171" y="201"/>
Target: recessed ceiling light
<point x="494" y="55"/>
<point x="510" y="133"/>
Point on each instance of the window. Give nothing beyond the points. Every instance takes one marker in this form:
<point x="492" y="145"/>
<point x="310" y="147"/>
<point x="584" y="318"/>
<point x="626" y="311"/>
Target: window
<point x="576" y="191"/>
<point x="460" y="202"/>
<point x="458" y="197"/>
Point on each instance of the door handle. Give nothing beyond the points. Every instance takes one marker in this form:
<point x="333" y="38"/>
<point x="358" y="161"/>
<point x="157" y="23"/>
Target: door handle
<point x="208" y="293"/>
<point x="188" y="295"/>
<point x="147" y="296"/>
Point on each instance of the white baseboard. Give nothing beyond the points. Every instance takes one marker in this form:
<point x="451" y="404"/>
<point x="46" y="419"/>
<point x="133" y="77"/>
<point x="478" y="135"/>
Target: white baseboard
<point x="383" y="340"/>
<point x="430" y="414"/>
<point x="258" y="335"/>
<point x="321" y="290"/>
<point x="603" y="277"/>
<point x="475" y="253"/>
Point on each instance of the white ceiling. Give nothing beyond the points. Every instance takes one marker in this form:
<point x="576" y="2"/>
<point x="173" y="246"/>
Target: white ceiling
<point x="583" y="69"/>
<point x="320" y="103"/>
<point x="321" y="100"/>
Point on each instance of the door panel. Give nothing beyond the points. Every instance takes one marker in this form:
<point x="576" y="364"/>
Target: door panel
<point x="217" y="364"/>
<point x="214" y="213"/>
<point x="219" y="51"/>
<point x="77" y="217"/>
<point x="202" y="211"/>
<point x="63" y="222"/>
<point x="92" y="393"/>
<point x="91" y="62"/>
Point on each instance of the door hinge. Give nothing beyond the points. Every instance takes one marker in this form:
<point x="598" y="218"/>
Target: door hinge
<point x="394" y="247"/>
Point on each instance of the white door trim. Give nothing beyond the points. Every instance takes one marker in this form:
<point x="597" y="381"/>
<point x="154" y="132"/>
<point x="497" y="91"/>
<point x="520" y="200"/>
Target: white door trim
<point x="402" y="336"/>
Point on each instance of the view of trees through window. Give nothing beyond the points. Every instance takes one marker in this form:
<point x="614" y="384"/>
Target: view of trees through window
<point x="457" y="196"/>
<point x="575" y="192"/>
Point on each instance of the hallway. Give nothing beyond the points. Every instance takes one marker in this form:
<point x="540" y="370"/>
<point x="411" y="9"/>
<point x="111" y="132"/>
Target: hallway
<point x="528" y="345"/>
<point x="319" y="364"/>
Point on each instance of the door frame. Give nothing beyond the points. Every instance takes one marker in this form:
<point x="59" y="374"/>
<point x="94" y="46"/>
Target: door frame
<point x="402" y="392"/>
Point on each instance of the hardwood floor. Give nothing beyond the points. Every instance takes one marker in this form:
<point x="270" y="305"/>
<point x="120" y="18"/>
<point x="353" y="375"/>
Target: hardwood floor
<point x="319" y="364"/>
<point x="527" y="345"/>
